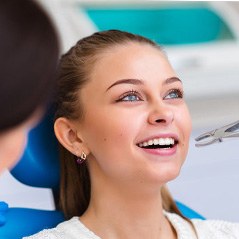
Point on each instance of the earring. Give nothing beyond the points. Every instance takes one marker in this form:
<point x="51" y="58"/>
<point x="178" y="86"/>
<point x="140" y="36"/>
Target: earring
<point x="82" y="158"/>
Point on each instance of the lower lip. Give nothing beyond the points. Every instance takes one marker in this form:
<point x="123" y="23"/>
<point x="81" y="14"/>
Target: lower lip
<point x="161" y="151"/>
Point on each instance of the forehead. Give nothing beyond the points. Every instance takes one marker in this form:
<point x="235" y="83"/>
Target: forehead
<point x="130" y="60"/>
<point x="129" y="51"/>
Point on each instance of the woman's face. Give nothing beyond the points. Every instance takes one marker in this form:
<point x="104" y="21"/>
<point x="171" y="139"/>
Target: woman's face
<point x="136" y="125"/>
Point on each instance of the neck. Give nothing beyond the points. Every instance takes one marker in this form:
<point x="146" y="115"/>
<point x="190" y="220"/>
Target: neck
<point x="126" y="214"/>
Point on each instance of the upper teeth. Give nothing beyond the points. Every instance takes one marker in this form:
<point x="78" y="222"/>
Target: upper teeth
<point x="160" y="141"/>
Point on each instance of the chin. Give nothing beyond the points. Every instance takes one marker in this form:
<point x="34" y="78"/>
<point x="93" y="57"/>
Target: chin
<point x="167" y="174"/>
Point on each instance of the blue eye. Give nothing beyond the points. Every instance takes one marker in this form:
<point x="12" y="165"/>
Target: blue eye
<point x="130" y="96"/>
<point x="174" y="94"/>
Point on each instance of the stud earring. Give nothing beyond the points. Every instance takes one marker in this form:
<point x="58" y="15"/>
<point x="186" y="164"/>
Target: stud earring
<point x="82" y="158"/>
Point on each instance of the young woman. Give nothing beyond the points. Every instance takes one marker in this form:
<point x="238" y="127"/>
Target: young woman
<point x="124" y="127"/>
<point x="29" y="52"/>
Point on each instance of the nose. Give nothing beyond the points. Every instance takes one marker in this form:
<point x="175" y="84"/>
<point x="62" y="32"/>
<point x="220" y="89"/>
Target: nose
<point x="161" y="114"/>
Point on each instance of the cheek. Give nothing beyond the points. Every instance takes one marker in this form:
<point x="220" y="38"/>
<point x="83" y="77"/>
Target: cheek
<point x="188" y="123"/>
<point x="185" y="126"/>
<point x="107" y="130"/>
<point x="184" y="119"/>
<point x="110" y="131"/>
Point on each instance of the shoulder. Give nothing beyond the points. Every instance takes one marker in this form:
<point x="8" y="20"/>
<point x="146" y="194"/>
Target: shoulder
<point x="205" y="229"/>
<point x="71" y="229"/>
<point x="46" y="234"/>
<point x="216" y="229"/>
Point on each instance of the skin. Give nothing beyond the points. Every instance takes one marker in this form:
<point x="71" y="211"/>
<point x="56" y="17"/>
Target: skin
<point x="14" y="140"/>
<point x="119" y="114"/>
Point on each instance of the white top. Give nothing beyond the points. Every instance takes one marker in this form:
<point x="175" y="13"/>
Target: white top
<point x="206" y="229"/>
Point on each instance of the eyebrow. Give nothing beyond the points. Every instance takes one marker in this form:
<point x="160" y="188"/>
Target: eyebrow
<point x="127" y="81"/>
<point x="140" y="82"/>
<point x="172" y="80"/>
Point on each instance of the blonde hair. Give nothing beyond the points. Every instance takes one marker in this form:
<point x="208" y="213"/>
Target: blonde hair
<point x="75" y="68"/>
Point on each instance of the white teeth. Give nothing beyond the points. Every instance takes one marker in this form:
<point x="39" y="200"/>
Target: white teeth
<point x="150" y="142"/>
<point x="171" y="141"/>
<point x="145" y="144"/>
<point x="159" y="141"/>
<point x="167" y="141"/>
<point x="156" y="141"/>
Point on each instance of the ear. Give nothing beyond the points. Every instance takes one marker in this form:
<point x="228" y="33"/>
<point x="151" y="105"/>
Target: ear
<point x="67" y="135"/>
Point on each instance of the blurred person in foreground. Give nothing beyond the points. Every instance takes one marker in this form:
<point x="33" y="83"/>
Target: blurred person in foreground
<point x="29" y="51"/>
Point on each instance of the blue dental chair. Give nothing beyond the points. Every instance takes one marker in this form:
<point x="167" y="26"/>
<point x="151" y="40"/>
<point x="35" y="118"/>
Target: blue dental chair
<point x="39" y="167"/>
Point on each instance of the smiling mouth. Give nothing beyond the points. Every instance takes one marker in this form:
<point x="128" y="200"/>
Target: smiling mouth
<point x="158" y="143"/>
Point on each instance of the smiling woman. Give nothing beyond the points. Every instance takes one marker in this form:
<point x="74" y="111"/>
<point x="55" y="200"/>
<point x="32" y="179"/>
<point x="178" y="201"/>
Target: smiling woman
<point x="124" y="128"/>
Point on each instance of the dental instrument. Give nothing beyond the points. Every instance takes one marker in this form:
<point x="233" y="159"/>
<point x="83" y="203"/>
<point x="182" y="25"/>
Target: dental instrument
<point x="217" y="135"/>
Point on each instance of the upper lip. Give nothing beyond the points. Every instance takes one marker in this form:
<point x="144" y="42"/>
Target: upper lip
<point x="165" y="135"/>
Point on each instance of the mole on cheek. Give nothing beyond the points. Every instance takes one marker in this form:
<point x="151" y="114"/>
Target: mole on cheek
<point x="105" y="139"/>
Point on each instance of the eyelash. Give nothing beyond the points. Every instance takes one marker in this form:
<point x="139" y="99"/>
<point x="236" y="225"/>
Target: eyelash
<point x="129" y="93"/>
<point x="179" y="93"/>
<point x="135" y="93"/>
